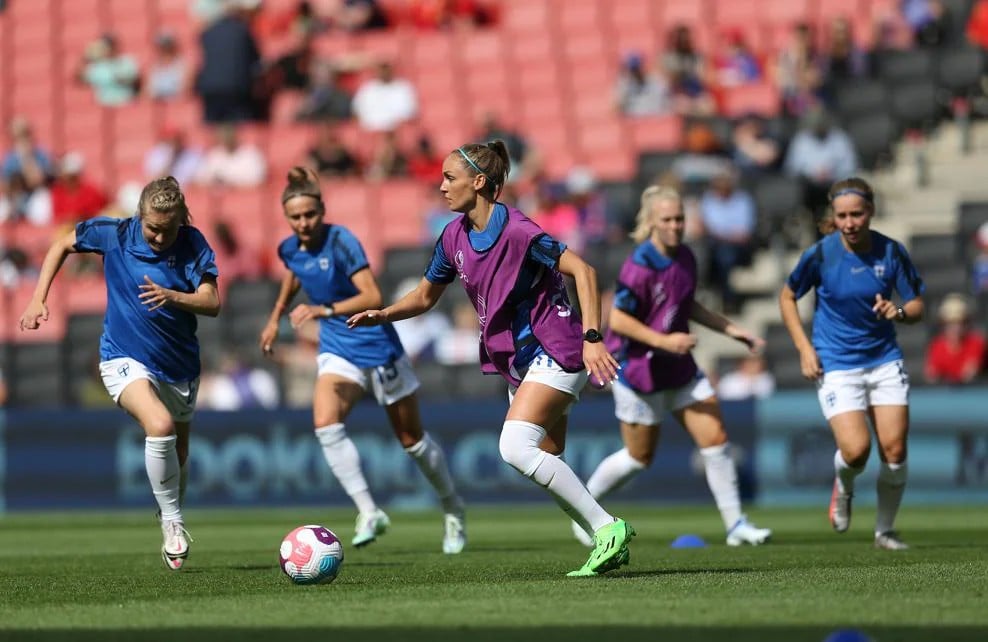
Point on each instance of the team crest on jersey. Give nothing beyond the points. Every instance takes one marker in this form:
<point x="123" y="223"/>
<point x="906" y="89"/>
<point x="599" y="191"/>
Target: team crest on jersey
<point x="170" y="261"/>
<point x="879" y="270"/>
<point x="323" y="263"/>
<point x="458" y="262"/>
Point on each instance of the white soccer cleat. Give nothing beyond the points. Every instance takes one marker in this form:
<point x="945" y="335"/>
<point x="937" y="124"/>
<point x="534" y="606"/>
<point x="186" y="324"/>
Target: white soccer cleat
<point x="744" y="532"/>
<point x="175" y="547"/>
<point x="840" y="509"/>
<point x="890" y="541"/>
<point x="582" y="536"/>
<point x="455" y="535"/>
<point x="369" y="526"/>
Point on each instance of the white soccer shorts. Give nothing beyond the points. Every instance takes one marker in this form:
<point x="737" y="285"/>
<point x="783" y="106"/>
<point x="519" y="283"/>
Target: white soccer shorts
<point x="179" y="398"/>
<point x="546" y="371"/>
<point x="632" y="407"/>
<point x="389" y="383"/>
<point x="843" y="391"/>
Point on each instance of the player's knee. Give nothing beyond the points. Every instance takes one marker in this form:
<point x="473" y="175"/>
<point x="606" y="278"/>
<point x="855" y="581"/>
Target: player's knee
<point x="895" y="453"/>
<point x="643" y="456"/>
<point x="519" y="445"/>
<point x="856" y="457"/>
<point x="331" y="434"/>
<point x="159" y="426"/>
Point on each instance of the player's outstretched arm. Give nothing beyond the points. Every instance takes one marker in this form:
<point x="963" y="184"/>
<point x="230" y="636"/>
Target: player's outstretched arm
<point x="37" y="309"/>
<point x="420" y="300"/>
<point x="204" y="301"/>
<point x="719" y="323"/>
<point x="269" y="334"/>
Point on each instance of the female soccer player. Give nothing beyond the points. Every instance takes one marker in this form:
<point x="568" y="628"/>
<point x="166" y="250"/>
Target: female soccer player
<point x="329" y="263"/>
<point x="160" y="273"/>
<point x="530" y="334"/>
<point x="649" y="335"/>
<point x="853" y="356"/>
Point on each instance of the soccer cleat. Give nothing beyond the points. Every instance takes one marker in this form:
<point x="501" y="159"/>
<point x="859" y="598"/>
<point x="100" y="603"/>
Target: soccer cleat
<point x="610" y="549"/>
<point x="369" y="526"/>
<point x="840" y="510"/>
<point x="175" y="547"/>
<point x="890" y="541"/>
<point x="582" y="536"/>
<point x="455" y="535"/>
<point x="744" y="532"/>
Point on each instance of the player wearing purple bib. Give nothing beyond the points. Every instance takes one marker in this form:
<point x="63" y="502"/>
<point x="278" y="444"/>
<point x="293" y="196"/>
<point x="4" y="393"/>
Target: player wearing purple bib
<point x="160" y="273"/>
<point x="853" y="357"/>
<point x="328" y="262"/>
<point x="530" y="334"/>
<point x="649" y="335"/>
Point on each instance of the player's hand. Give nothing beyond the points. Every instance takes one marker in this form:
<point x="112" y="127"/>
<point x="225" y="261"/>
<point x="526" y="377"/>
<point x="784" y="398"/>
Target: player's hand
<point x="679" y="343"/>
<point x="883" y="308"/>
<point x="366" y="318"/>
<point x="34" y="314"/>
<point x="153" y="295"/>
<point x="809" y="364"/>
<point x="303" y="313"/>
<point x="268" y="336"/>
<point x="755" y="344"/>
<point x="600" y="364"/>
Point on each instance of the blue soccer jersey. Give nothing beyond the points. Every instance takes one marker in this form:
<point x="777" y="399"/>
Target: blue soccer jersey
<point x="164" y="340"/>
<point x="326" y="275"/>
<point x="544" y="253"/>
<point x="846" y="333"/>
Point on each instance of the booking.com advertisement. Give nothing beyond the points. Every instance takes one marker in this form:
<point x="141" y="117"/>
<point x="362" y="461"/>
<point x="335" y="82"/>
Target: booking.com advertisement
<point x="66" y="459"/>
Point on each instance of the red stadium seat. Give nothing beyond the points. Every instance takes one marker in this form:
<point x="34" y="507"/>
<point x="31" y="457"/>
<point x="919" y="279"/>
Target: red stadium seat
<point x="576" y="17"/>
<point x="86" y="294"/>
<point x="827" y="11"/>
<point x="51" y="330"/>
<point x="400" y="209"/>
<point x="526" y="18"/>
<point x="786" y="12"/>
<point x="580" y="48"/>
<point x="480" y="49"/>
<point x="432" y="51"/>
<point x="656" y="133"/>
<point x="761" y="98"/>
<point x="689" y="12"/>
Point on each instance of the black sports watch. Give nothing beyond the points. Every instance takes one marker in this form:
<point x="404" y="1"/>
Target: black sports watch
<point x="900" y="314"/>
<point x="593" y="336"/>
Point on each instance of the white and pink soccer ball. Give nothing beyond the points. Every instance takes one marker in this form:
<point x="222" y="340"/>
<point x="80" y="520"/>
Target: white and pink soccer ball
<point x="311" y="554"/>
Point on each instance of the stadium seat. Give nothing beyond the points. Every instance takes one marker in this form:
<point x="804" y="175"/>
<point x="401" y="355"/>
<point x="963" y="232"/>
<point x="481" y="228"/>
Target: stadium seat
<point x="38" y="367"/>
<point x="631" y="14"/>
<point x="973" y="214"/>
<point x="915" y="106"/>
<point x="758" y="98"/>
<point x="400" y="209"/>
<point x="827" y="10"/>
<point x="898" y="67"/>
<point x="860" y="98"/>
<point x="932" y="249"/>
<point x="873" y="136"/>
<point x="655" y="133"/>
<point x="941" y="279"/>
<point x="780" y="207"/>
<point x="688" y="12"/>
<point x="960" y="70"/>
<point x="86" y="294"/>
<point x="526" y="19"/>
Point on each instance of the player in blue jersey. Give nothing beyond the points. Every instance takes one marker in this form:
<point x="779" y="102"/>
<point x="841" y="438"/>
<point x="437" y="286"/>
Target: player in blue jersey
<point x="328" y="262"/>
<point x="530" y="335"/>
<point x="853" y="356"/>
<point x="650" y="337"/>
<point x="160" y="273"/>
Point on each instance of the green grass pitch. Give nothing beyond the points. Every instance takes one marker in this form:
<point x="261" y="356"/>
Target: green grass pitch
<point x="98" y="576"/>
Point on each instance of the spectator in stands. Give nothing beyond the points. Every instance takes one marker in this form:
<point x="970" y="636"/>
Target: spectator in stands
<point x="231" y="63"/>
<point x="26" y="157"/>
<point x="74" y="198"/>
<point x="844" y="59"/>
<point x="292" y="70"/>
<point x="640" y="93"/>
<point x="127" y="199"/>
<point x="977" y="25"/>
<point x="19" y="202"/>
<point x="445" y="14"/>
<point x="360" y="15"/>
<point x="424" y="164"/>
<point x="15" y="268"/>
<point x="750" y="380"/>
<point x="735" y="64"/>
<point x="556" y="215"/>
<point x="593" y="216"/>
<point x="231" y="162"/>
<point x="956" y="354"/>
<point x="325" y="99"/>
<point x="892" y="31"/>
<point x="703" y="155"/>
<point x="387" y="160"/>
<point x="753" y="151"/>
<point x="420" y="334"/>
<point x="238" y="263"/>
<point x="685" y="70"/>
<point x="929" y="20"/>
<point x="799" y="72"/>
<point x="384" y="102"/>
<point x="330" y="157"/>
<point x="819" y="154"/>
<point x="979" y="267"/>
<point x="458" y="346"/>
<point x="170" y="156"/>
<point x="238" y="386"/>
<point x="519" y="150"/>
<point x="114" y="77"/>
<point x="168" y="75"/>
<point x="729" y="219"/>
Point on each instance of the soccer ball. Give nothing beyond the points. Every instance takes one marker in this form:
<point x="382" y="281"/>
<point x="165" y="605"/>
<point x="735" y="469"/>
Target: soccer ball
<point x="311" y="554"/>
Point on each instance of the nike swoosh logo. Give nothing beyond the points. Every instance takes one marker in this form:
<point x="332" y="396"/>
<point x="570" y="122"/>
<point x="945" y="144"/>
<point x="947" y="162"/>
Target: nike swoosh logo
<point x="168" y="479"/>
<point x="858" y="270"/>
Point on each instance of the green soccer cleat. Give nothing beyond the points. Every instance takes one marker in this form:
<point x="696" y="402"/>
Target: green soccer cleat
<point x="610" y="549"/>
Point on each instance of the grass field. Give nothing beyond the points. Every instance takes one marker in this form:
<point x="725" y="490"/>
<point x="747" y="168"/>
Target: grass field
<point x="85" y="576"/>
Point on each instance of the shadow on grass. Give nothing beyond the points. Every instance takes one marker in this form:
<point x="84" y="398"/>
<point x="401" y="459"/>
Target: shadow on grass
<point x="491" y="634"/>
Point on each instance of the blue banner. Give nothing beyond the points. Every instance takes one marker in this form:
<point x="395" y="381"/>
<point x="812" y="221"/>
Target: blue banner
<point x="947" y="449"/>
<point x="73" y="459"/>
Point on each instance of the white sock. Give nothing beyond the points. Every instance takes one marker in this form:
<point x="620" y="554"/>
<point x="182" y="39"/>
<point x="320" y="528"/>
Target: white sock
<point x="722" y="477"/>
<point x="519" y="446"/>
<point x="891" y="485"/>
<point x="845" y="474"/>
<point x="183" y="482"/>
<point x="161" y="462"/>
<point x="344" y="460"/>
<point x="432" y="462"/>
<point x="615" y="471"/>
